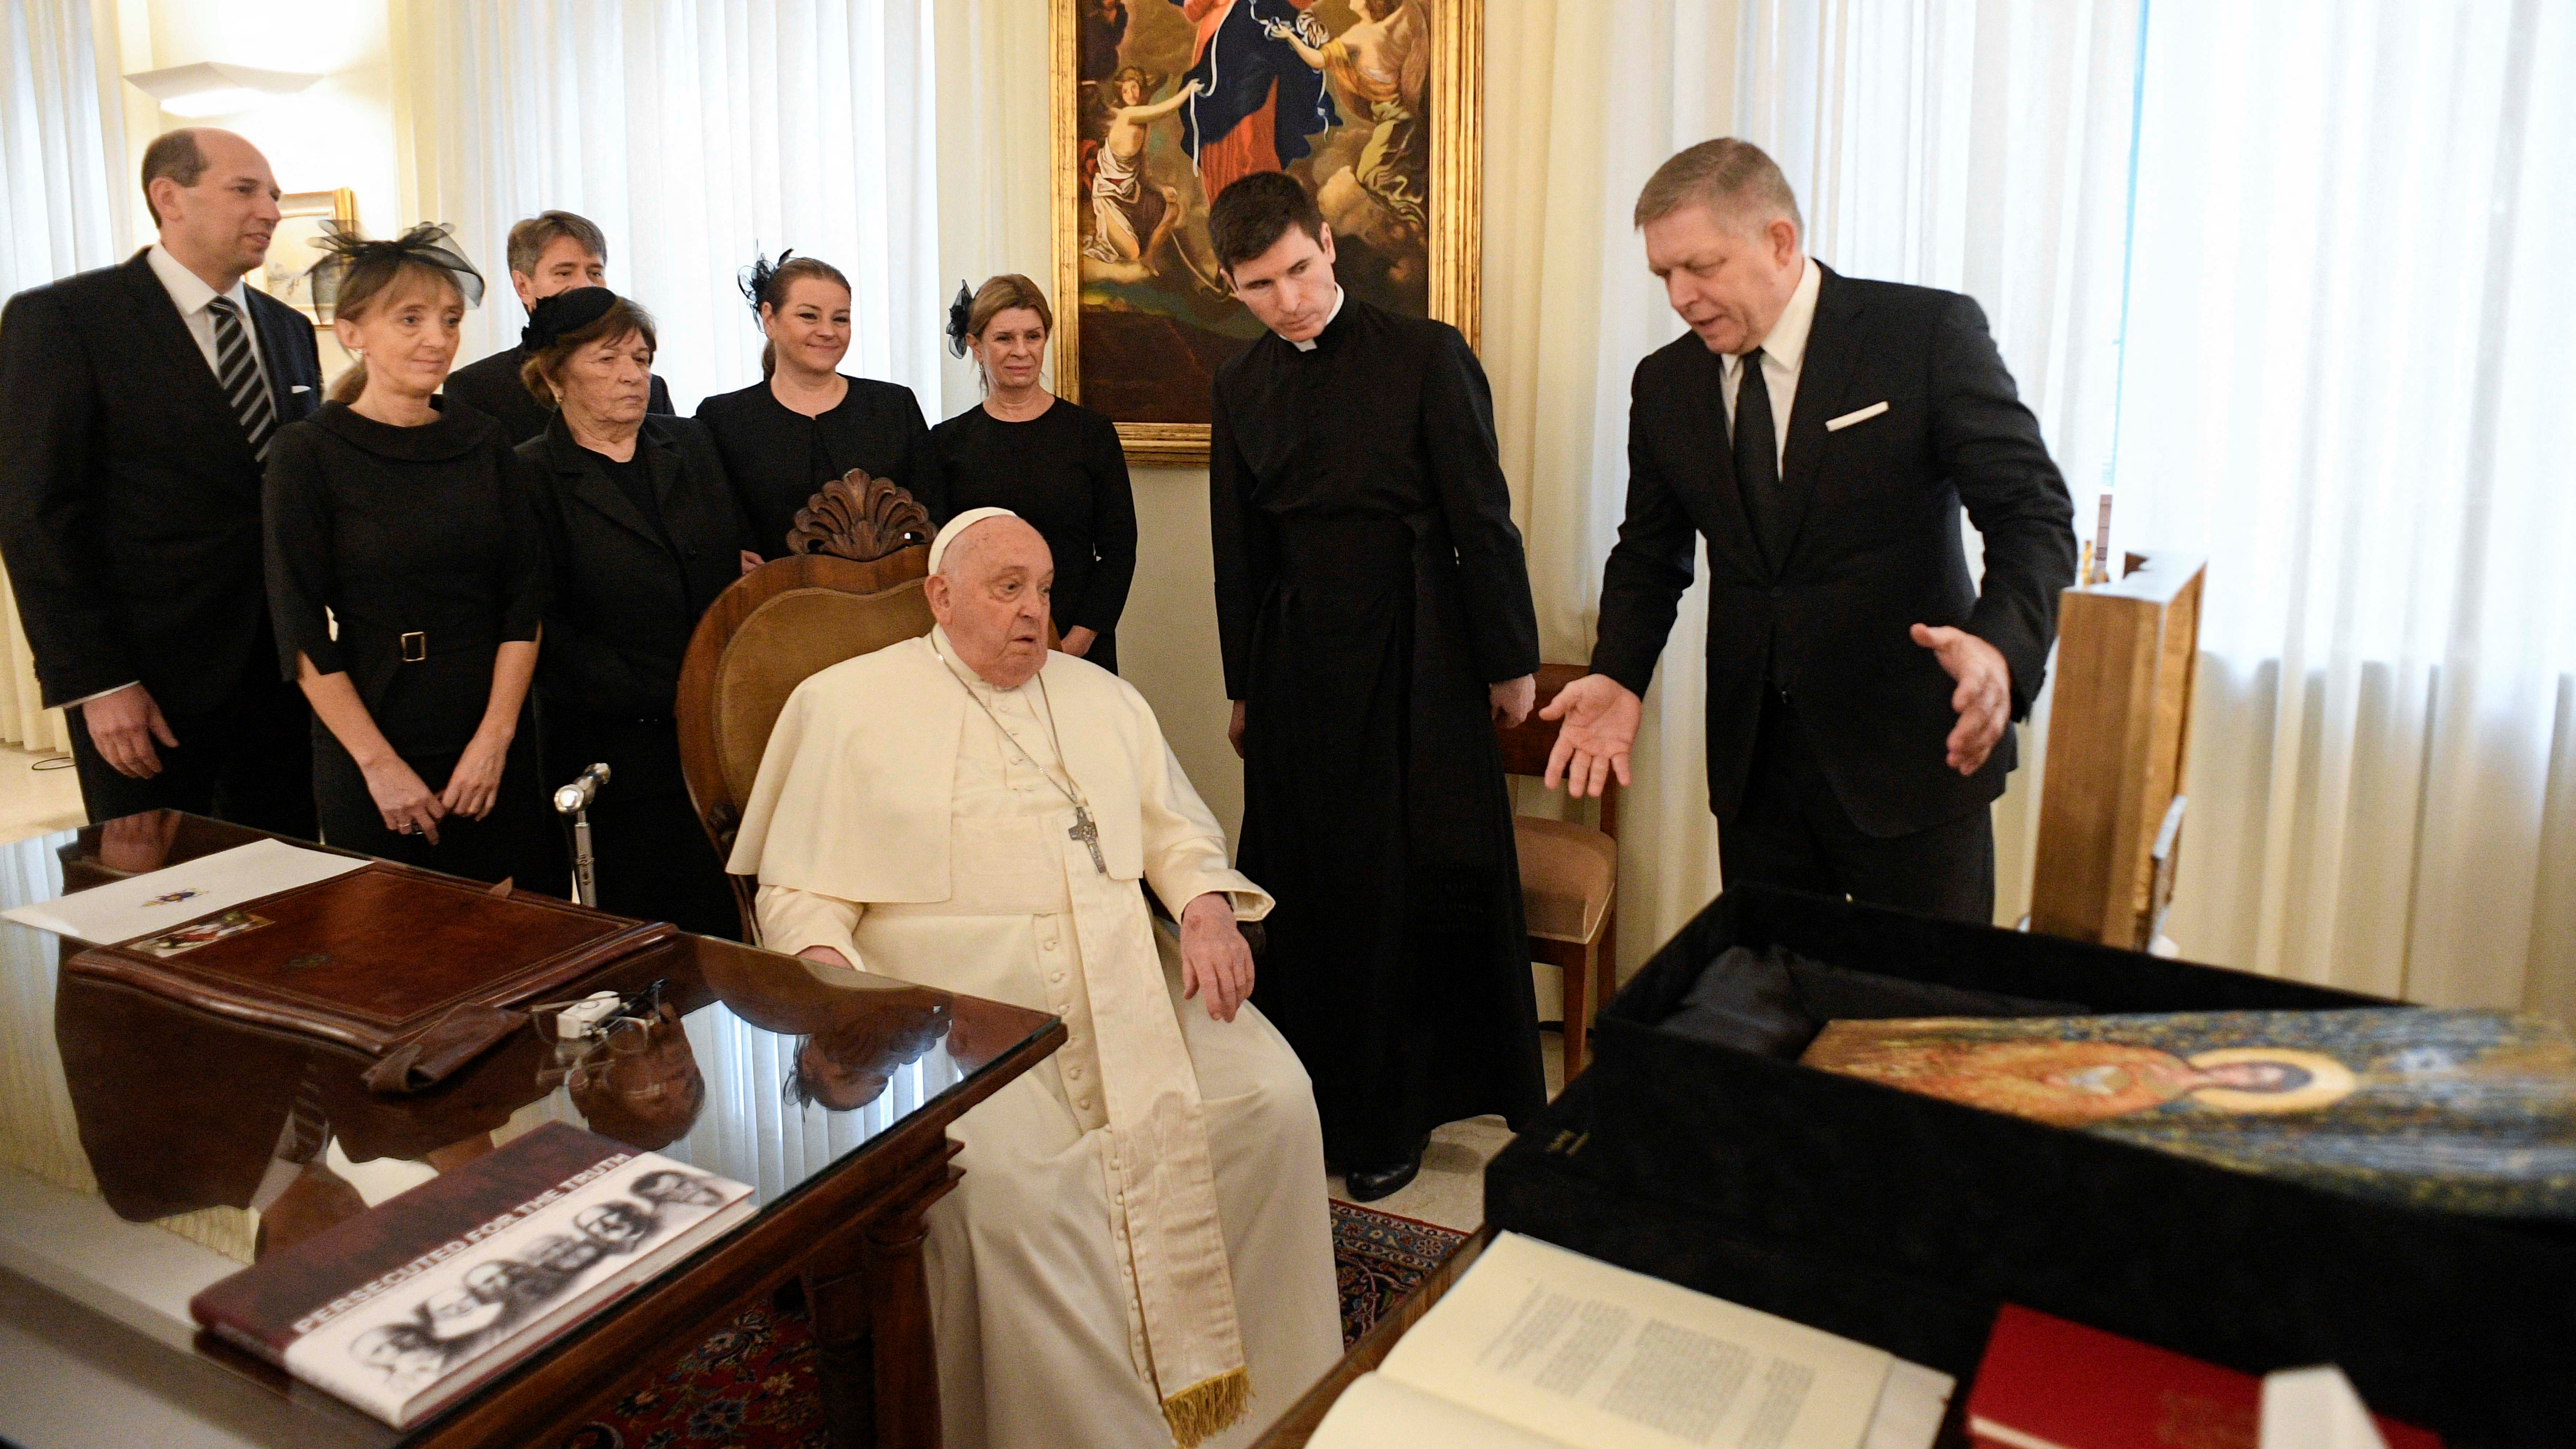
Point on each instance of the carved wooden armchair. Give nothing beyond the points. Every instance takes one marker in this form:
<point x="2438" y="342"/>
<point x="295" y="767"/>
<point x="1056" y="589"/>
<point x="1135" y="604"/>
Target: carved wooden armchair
<point x="851" y="586"/>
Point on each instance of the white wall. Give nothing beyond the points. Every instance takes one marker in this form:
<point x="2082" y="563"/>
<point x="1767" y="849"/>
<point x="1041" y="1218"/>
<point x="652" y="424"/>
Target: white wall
<point x="338" y="132"/>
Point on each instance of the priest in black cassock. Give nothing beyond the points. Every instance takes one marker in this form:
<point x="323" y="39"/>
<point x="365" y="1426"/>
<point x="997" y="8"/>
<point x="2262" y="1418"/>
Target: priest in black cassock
<point x="1374" y="608"/>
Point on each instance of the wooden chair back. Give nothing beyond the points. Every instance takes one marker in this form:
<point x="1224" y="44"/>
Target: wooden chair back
<point x="851" y="585"/>
<point x="1526" y="745"/>
<point x="1569" y="877"/>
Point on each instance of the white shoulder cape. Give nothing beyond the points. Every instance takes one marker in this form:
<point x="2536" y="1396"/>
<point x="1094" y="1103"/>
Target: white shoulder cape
<point x="855" y="790"/>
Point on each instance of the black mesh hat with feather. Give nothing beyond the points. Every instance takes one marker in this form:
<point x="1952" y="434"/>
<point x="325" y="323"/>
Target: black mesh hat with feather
<point x="348" y="257"/>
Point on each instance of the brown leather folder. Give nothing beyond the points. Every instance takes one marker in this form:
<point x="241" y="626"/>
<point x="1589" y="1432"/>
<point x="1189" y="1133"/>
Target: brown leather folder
<point x="375" y="956"/>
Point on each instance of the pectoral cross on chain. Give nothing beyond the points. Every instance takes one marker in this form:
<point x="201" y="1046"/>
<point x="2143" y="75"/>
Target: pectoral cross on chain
<point x="1089" y="834"/>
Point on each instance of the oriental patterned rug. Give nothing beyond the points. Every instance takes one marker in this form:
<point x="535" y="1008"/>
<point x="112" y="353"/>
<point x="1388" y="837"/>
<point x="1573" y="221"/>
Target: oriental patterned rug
<point x="751" y="1386"/>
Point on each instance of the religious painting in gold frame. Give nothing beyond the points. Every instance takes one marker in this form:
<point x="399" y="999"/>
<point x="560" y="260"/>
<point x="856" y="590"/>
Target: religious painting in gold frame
<point x="304" y="218"/>
<point x="1375" y="105"/>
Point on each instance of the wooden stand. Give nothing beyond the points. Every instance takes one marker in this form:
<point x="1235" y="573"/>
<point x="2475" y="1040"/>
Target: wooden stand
<point x="2119" y="736"/>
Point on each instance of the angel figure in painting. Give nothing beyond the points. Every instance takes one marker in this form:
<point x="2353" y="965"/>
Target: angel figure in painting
<point x="1125" y="239"/>
<point x="1380" y="66"/>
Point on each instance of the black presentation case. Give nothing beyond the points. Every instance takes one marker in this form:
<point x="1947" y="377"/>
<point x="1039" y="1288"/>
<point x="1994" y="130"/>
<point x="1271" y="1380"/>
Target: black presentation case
<point x="1903" y="1221"/>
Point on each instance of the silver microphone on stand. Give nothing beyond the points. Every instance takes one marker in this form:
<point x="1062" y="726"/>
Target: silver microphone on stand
<point x="574" y="800"/>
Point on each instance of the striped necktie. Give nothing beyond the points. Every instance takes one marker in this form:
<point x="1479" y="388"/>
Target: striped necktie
<point x="238" y="376"/>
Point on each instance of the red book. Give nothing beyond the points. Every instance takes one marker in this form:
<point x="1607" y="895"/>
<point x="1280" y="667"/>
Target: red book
<point x="431" y="1292"/>
<point x="2050" y="1384"/>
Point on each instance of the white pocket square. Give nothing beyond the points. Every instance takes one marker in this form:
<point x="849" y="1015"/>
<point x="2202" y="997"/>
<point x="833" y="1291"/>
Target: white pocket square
<point x="299" y="387"/>
<point x="1836" y="425"/>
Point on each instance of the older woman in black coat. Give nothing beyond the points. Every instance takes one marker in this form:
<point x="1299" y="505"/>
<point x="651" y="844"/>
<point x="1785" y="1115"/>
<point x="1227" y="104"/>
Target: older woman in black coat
<point x="644" y="532"/>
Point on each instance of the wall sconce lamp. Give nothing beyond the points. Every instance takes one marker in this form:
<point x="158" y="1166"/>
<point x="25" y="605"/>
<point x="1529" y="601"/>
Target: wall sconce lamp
<point x="215" y="88"/>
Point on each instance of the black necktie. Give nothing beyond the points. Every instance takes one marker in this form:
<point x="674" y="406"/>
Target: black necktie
<point x="238" y="376"/>
<point x="1757" y="458"/>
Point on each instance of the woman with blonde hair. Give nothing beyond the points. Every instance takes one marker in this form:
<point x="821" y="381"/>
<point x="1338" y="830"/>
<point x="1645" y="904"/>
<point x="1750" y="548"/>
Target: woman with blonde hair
<point x="1054" y="463"/>
<point x="409" y="527"/>
<point x="806" y="422"/>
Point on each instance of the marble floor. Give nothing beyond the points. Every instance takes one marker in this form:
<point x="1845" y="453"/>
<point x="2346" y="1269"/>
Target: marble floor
<point x="1451" y="1188"/>
<point x="38" y="792"/>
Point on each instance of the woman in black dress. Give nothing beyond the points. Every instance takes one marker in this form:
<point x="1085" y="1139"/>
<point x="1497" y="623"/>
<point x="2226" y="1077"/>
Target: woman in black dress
<point x="411" y="528"/>
<point x="1051" y="462"/>
<point x="643" y="532"/>
<point x="806" y="422"/>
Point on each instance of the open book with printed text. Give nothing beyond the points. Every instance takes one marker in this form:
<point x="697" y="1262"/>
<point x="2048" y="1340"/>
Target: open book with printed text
<point x="1539" y="1348"/>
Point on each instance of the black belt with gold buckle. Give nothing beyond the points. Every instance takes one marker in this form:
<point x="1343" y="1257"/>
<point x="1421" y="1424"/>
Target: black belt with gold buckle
<point x="415" y="647"/>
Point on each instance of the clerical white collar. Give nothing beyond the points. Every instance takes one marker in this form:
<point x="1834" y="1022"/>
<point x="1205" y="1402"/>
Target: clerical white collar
<point x="948" y="655"/>
<point x="1339" y="297"/>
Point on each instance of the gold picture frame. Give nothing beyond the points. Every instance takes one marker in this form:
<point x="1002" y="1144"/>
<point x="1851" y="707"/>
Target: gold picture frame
<point x="1166" y="304"/>
<point x="292" y="251"/>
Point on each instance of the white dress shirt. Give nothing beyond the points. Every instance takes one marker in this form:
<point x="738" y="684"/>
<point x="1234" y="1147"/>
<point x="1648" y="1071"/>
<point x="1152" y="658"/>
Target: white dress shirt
<point x="1784" y="352"/>
<point x="191" y="294"/>
<point x="1309" y="344"/>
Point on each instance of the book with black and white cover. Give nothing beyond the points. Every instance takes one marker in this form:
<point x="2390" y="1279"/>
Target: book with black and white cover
<point x="1537" y="1347"/>
<point x="434" y="1291"/>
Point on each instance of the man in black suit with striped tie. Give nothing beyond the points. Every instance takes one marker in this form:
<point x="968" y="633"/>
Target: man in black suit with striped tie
<point x="138" y="402"/>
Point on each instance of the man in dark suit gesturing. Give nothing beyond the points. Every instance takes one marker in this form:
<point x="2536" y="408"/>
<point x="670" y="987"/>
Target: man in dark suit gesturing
<point x="139" y="402"/>
<point x="1821" y="434"/>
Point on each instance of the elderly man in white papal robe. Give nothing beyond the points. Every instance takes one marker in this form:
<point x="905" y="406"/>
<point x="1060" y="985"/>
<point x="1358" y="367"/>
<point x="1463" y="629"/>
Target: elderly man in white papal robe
<point x="1139" y="1251"/>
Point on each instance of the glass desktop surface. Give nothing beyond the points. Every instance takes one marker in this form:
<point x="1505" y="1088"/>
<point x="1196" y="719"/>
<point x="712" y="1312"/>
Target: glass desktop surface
<point x="134" y="1131"/>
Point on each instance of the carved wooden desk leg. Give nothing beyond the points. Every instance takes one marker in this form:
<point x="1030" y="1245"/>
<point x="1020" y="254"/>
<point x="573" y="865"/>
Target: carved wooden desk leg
<point x="877" y="1367"/>
<point x="844" y="1355"/>
<point x="907" y="1360"/>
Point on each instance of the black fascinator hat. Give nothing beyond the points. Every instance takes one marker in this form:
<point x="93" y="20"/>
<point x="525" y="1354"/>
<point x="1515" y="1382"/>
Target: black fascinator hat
<point x="959" y="313"/>
<point x="756" y="279"/>
<point x="564" y="312"/>
<point x="348" y="257"/>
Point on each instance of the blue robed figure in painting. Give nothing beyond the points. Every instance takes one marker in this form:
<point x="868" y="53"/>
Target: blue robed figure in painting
<point x="1258" y="105"/>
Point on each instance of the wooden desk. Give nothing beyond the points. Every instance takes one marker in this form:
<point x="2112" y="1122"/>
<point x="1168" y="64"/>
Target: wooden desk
<point x="1298" y="1425"/>
<point x="120" y="1109"/>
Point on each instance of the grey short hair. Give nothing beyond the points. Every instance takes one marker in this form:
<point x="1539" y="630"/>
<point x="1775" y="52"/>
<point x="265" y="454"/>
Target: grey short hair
<point x="529" y="239"/>
<point x="1735" y="179"/>
<point x="174" y="154"/>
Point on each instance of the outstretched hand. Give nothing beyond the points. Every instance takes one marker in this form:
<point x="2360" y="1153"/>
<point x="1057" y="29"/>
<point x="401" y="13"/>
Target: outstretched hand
<point x="1214" y="956"/>
<point x="1600" y="726"/>
<point x="1983" y="698"/>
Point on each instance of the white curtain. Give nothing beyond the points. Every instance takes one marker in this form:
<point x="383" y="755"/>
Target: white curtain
<point x="1583" y="99"/>
<point x="1980" y="148"/>
<point x="2349" y="350"/>
<point x="2290" y="281"/>
<point x="62" y="155"/>
<point x="695" y="132"/>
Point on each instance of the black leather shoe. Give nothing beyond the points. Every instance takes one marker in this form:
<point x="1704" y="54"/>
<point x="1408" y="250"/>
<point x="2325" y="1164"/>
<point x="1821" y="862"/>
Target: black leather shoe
<point x="1370" y="1184"/>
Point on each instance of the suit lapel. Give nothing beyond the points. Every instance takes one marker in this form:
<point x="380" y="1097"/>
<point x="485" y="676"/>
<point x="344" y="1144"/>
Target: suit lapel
<point x="1832" y="345"/>
<point x="276" y="325"/>
<point x="172" y="369"/>
<point x="587" y="481"/>
<point x="1704" y="412"/>
<point x="662" y="466"/>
